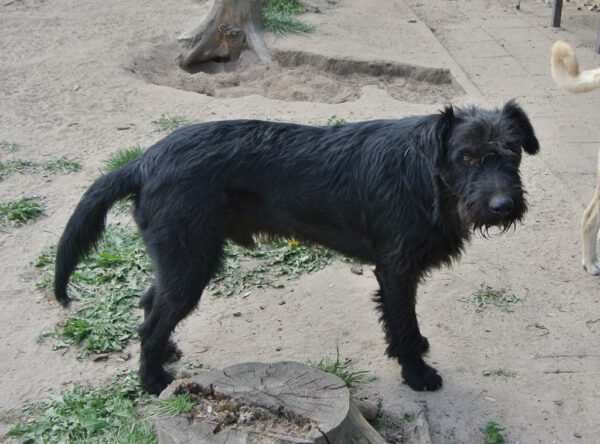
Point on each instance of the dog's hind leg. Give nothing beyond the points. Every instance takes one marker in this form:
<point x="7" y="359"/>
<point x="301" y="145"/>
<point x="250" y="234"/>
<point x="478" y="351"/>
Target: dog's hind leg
<point x="397" y="299"/>
<point x="185" y="262"/>
<point x="172" y="351"/>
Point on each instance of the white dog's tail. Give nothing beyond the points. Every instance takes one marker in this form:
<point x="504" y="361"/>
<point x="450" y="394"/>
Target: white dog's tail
<point x="565" y="70"/>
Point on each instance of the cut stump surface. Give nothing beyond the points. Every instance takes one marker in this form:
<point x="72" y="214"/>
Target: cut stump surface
<point x="282" y="402"/>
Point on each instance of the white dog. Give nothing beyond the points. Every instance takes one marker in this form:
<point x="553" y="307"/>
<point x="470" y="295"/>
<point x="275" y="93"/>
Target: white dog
<point x="566" y="74"/>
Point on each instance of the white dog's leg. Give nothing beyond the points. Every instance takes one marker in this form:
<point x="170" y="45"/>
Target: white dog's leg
<point x="590" y="225"/>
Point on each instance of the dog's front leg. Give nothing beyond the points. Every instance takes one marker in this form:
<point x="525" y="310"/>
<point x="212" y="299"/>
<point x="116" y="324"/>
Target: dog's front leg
<point x="397" y="303"/>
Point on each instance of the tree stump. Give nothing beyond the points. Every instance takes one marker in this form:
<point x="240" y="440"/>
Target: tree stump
<point x="229" y="27"/>
<point x="283" y="402"/>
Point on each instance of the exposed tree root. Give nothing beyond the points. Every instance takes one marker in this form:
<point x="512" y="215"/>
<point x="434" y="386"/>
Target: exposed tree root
<point x="229" y="27"/>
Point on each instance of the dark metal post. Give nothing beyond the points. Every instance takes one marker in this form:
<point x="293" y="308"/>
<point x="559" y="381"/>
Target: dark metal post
<point x="556" y="13"/>
<point x="598" y="38"/>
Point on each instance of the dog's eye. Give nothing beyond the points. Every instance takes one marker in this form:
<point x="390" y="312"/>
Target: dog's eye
<point x="466" y="158"/>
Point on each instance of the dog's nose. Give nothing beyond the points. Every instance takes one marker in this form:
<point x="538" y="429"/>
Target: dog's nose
<point x="501" y="205"/>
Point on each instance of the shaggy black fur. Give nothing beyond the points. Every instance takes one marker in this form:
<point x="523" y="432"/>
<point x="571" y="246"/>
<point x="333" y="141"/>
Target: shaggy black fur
<point x="402" y="194"/>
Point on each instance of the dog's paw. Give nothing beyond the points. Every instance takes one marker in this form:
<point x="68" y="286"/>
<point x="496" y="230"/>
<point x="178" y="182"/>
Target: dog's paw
<point x="421" y="377"/>
<point x="592" y="267"/>
<point x="156" y="383"/>
<point x="172" y="353"/>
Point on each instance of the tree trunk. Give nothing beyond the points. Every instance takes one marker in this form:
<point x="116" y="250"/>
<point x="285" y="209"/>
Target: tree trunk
<point x="229" y="27"/>
<point x="305" y="405"/>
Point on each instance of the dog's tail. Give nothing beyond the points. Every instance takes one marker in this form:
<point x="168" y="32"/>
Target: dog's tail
<point x="88" y="222"/>
<point x="565" y="70"/>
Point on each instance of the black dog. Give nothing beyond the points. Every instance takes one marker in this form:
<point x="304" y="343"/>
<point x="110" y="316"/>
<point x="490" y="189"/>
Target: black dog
<point x="402" y="194"/>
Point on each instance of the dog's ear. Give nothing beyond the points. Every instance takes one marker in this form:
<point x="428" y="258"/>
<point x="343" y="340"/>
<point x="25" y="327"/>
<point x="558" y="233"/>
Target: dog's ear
<point x="519" y="119"/>
<point x="446" y="120"/>
<point x="438" y="131"/>
<point x="442" y="129"/>
<point x="431" y="134"/>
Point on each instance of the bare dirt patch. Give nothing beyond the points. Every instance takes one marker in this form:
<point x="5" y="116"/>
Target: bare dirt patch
<point x="297" y="76"/>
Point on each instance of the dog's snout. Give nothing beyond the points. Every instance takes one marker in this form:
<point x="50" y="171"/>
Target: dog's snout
<point x="501" y="205"/>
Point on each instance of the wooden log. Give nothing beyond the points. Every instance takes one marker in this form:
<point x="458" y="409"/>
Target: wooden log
<point x="304" y="405"/>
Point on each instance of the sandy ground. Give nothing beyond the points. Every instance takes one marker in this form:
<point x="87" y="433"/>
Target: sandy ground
<point x="68" y="83"/>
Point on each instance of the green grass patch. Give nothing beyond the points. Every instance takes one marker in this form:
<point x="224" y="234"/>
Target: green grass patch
<point x="492" y="433"/>
<point x="16" y="166"/>
<point x="108" y="283"/>
<point x="267" y="265"/>
<point x="121" y="158"/>
<point x="486" y="296"/>
<point x="114" y="412"/>
<point x="335" y="120"/>
<point x="168" y="124"/>
<point x="279" y="17"/>
<point x="7" y="146"/>
<point x="106" y="324"/>
<point x="341" y="369"/>
<point x="54" y="166"/>
<point x="18" y="212"/>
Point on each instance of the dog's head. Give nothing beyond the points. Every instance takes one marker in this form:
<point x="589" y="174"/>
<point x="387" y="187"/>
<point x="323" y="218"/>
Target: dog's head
<point x="480" y="163"/>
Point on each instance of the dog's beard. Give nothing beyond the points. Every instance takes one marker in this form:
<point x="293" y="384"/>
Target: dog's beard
<point x="480" y="219"/>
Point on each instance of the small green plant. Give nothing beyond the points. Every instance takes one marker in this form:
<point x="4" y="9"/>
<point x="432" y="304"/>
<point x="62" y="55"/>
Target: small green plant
<point x="122" y="157"/>
<point x="486" y="296"/>
<point x="108" y="283"/>
<point x="341" y="370"/>
<point x="18" y="212"/>
<point x="177" y="405"/>
<point x="335" y="120"/>
<point x="409" y="416"/>
<point x="168" y="124"/>
<point x="7" y="146"/>
<point x="278" y="17"/>
<point x="492" y="433"/>
<point x="110" y="413"/>
<point x="379" y="420"/>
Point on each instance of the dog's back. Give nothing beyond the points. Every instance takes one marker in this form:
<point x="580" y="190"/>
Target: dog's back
<point x="282" y="177"/>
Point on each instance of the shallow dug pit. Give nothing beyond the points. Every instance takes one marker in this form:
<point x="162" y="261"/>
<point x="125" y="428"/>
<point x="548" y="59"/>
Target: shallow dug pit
<point x="296" y="76"/>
